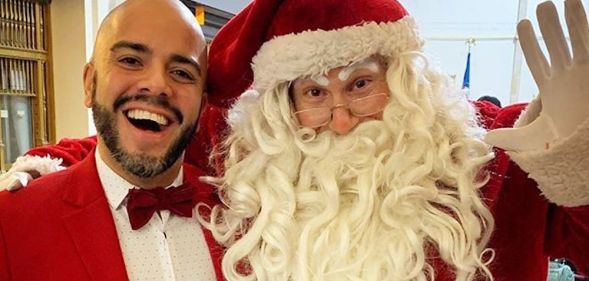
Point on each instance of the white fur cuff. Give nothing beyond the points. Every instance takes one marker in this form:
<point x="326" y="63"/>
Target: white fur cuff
<point x="562" y="171"/>
<point x="43" y="165"/>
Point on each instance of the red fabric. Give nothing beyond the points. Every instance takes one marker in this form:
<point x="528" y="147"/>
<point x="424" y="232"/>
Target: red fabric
<point x="528" y="228"/>
<point x="143" y="203"/>
<point x="70" y="150"/>
<point x="240" y="39"/>
<point x="204" y="145"/>
<point x="486" y="111"/>
<point x="60" y="228"/>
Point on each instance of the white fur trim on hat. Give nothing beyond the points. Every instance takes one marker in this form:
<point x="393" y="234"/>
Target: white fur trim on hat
<point x="562" y="171"/>
<point x="287" y="57"/>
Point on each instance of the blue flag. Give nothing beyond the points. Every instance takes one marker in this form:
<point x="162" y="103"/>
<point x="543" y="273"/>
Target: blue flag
<point x="466" y="79"/>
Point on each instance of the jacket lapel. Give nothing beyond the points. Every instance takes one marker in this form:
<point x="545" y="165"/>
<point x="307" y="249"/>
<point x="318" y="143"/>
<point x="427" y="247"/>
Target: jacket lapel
<point x="90" y="224"/>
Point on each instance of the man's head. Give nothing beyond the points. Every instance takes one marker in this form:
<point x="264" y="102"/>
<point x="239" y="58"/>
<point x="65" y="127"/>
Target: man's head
<point x="371" y="188"/>
<point x="491" y="99"/>
<point x="145" y="85"/>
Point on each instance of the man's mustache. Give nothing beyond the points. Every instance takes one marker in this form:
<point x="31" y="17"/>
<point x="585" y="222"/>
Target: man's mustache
<point x="160" y="101"/>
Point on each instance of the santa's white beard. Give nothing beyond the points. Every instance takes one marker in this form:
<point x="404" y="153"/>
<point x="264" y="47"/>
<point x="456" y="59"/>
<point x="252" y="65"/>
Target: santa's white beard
<point x="380" y="203"/>
<point x="360" y="208"/>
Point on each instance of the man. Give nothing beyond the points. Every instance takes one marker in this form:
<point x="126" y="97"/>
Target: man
<point x="127" y="212"/>
<point x="351" y="159"/>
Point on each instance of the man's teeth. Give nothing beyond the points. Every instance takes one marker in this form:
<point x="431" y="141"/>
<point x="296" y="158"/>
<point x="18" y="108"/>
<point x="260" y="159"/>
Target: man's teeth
<point x="146" y="115"/>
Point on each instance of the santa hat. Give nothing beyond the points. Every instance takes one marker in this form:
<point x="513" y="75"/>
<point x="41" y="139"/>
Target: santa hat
<point x="272" y="41"/>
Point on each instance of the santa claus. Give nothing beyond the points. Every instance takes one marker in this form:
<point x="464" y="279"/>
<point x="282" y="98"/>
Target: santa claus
<point x="352" y="158"/>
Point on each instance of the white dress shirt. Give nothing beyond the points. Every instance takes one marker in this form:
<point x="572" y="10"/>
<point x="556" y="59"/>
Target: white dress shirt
<point x="167" y="248"/>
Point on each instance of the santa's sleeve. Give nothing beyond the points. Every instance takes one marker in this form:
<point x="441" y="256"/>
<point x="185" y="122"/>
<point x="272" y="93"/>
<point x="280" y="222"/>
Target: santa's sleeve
<point x="561" y="173"/>
<point x="70" y="151"/>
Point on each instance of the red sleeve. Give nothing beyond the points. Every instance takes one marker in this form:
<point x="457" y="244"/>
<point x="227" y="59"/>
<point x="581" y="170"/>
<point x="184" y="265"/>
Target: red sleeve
<point x="563" y="231"/>
<point x="4" y="266"/>
<point x="70" y="150"/>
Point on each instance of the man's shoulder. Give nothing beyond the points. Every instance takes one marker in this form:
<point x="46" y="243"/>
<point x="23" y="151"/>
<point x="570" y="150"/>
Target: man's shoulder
<point x="36" y="196"/>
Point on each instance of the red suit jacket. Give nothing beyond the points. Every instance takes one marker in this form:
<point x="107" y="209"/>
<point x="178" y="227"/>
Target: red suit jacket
<point x="60" y="228"/>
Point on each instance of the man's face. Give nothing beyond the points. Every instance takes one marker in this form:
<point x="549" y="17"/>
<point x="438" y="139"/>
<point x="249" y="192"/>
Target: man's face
<point x="145" y="87"/>
<point x="354" y="94"/>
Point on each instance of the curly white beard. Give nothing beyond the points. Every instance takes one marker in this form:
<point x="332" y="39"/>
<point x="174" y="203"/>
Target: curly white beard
<point x="377" y="204"/>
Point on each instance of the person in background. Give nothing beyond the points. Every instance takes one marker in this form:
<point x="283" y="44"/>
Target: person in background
<point x="491" y="99"/>
<point x="127" y="211"/>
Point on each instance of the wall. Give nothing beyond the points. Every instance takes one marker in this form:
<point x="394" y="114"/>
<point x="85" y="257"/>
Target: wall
<point x="69" y="56"/>
<point x="74" y="25"/>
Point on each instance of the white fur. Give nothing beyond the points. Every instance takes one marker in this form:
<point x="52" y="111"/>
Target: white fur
<point x="561" y="171"/>
<point x="291" y="56"/>
<point x="18" y="175"/>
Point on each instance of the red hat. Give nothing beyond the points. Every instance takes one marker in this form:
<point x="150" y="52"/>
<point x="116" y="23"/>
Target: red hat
<point x="272" y="41"/>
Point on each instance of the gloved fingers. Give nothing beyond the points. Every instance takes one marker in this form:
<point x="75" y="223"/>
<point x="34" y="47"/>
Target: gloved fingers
<point x="535" y="59"/>
<point x="551" y="30"/>
<point x="576" y="19"/>
<point x="535" y="135"/>
<point x="12" y="181"/>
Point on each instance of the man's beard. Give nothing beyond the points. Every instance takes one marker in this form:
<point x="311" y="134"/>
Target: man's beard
<point x="140" y="165"/>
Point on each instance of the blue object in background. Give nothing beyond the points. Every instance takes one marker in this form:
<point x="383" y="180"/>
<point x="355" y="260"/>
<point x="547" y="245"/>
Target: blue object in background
<point x="558" y="271"/>
<point x="466" y="79"/>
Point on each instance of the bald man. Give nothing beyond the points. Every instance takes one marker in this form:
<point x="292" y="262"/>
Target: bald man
<point x="127" y="212"/>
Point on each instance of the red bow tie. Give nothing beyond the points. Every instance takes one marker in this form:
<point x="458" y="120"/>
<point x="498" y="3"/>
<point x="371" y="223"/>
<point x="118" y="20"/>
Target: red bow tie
<point x="142" y="203"/>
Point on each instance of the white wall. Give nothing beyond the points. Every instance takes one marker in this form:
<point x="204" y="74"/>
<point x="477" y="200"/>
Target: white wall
<point x="446" y="24"/>
<point x="69" y="56"/>
<point x="74" y="25"/>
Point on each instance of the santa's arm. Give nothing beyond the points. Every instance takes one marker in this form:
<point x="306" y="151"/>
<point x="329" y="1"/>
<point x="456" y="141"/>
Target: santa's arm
<point x="550" y="140"/>
<point x="47" y="159"/>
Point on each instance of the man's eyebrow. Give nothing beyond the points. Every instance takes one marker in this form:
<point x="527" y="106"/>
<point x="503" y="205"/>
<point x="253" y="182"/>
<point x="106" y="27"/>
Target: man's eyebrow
<point x="130" y="45"/>
<point x="186" y="60"/>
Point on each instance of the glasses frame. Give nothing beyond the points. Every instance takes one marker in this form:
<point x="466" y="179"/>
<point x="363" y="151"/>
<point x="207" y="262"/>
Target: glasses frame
<point x="346" y="105"/>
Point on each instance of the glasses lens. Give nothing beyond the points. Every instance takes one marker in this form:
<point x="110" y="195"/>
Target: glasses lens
<point x="369" y="105"/>
<point x="313" y="117"/>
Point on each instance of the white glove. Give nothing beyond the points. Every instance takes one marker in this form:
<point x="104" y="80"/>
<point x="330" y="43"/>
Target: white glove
<point x="563" y="84"/>
<point x="25" y="168"/>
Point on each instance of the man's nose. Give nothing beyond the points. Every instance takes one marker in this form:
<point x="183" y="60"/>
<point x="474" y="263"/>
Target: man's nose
<point x="342" y="119"/>
<point x="155" y="82"/>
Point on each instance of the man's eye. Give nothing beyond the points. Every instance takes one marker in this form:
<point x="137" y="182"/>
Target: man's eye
<point x="183" y="76"/>
<point x="314" y="93"/>
<point x="361" y="83"/>
<point x="130" y="61"/>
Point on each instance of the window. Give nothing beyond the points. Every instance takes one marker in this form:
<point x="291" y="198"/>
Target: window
<point x="25" y="91"/>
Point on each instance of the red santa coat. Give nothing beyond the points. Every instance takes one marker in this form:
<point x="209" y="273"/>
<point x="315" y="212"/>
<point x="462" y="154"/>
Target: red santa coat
<point x="60" y="227"/>
<point x="528" y="228"/>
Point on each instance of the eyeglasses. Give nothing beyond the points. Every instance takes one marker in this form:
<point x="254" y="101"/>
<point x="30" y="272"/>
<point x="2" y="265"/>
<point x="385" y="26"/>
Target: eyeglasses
<point x="361" y="107"/>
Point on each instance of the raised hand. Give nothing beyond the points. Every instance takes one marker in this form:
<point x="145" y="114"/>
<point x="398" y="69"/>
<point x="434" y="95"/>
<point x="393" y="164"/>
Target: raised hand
<point x="563" y="83"/>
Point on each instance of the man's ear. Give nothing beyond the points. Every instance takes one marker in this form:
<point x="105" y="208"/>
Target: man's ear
<point x="89" y="83"/>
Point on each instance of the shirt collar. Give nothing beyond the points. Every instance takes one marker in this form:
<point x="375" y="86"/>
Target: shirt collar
<point x="115" y="187"/>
